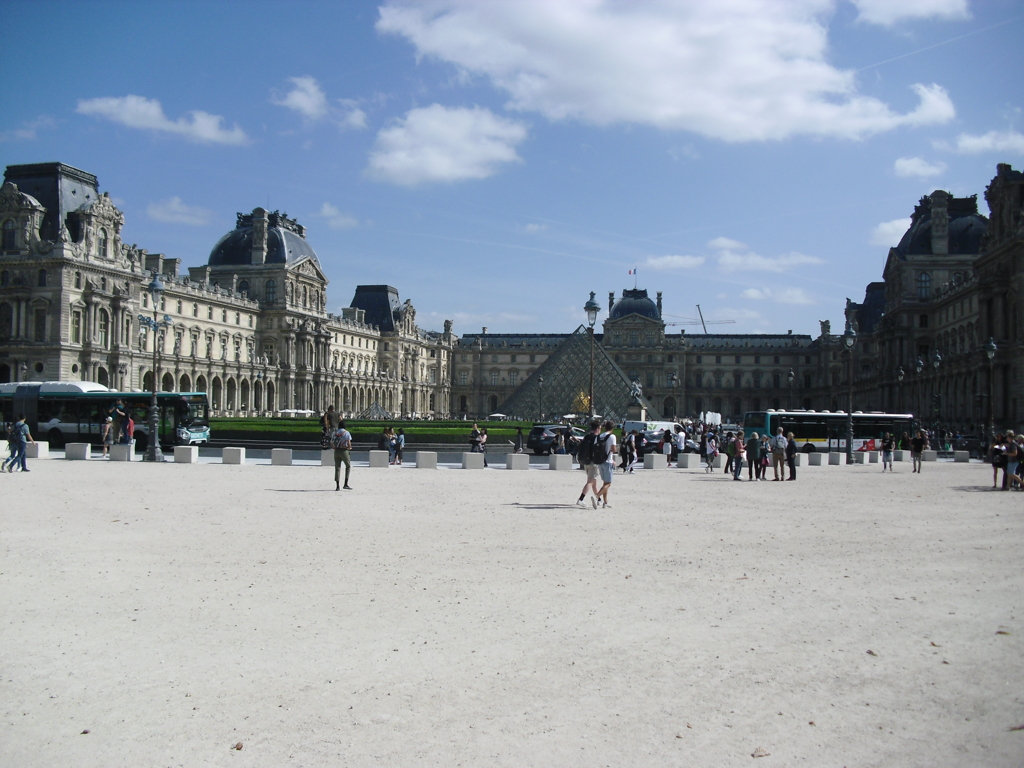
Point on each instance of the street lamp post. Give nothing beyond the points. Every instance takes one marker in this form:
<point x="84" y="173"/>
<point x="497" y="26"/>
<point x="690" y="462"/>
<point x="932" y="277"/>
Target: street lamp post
<point x="155" y="289"/>
<point x="899" y="378"/>
<point x="919" y="366"/>
<point x="849" y="339"/>
<point x="791" y="377"/>
<point x="540" y="398"/>
<point x="990" y="353"/>
<point x="591" y="308"/>
<point x="936" y="397"/>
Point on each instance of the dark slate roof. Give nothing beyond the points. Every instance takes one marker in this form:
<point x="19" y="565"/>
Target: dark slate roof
<point x="634" y="302"/>
<point x="966" y="228"/>
<point x="516" y="340"/>
<point x="870" y="312"/>
<point x="381" y="304"/>
<point x="286" y="243"/>
<point x="59" y="188"/>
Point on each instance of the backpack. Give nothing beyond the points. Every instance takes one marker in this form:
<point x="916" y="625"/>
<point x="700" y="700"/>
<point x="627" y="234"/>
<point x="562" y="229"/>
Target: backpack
<point x="585" y="455"/>
<point x="340" y="440"/>
<point x="599" y="453"/>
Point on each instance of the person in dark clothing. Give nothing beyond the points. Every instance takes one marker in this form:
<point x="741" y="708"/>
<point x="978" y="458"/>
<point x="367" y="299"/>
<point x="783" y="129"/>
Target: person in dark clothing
<point x="791" y="456"/>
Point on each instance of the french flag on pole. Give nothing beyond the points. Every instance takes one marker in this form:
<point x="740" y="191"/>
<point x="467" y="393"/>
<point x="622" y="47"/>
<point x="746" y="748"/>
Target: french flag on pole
<point x="632" y="271"/>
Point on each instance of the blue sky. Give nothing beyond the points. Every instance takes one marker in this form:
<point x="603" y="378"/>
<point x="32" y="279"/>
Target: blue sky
<point x="498" y="161"/>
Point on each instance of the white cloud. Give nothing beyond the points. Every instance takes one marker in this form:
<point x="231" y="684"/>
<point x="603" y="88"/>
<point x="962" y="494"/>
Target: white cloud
<point x="140" y="112"/>
<point x="535" y="228"/>
<point x="889" y="233"/>
<point x="336" y="219"/>
<point x="993" y="141"/>
<point x="306" y="98"/>
<point x="439" y="143"/>
<point x="917" y="166"/>
<point x="889" y="12"/>
<point x="734" y="256"/>
<point x="174" y="211"/>
<point x="674" y="262"/>
<point x="351" y="116"/>
<point x="783" y="296"/>
<point x="753" y="70"/>
<point x="29" y="131"/>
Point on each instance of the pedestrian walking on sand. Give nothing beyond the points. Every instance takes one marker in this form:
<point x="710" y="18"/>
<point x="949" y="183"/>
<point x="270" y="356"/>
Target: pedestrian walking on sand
<point x="341" y="441"/>
<point x="887" y="447"/>
<point x="107" y="435"/>
<point x="12" y="448"/>
<point x="22" y="437"/>
<point x="710" y="451"/>
<point x="779" y="444"/>
<point x="585" y="455"/>
<point x="604" y="457"/>
<point x="917" y="447"/>
<point x="483" y="444"/>
<point x="791" y="452"/>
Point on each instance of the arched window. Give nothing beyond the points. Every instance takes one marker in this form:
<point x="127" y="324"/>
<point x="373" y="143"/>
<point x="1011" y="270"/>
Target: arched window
<point x="305" y="295"/>
<point x="243" y="287"/>
<point x="104" y="244"/>
<point x="271" y="292"/>
<point x="9" y="235"/>
<point x="104" y="329"/>
<point x="924" y="285"/>
<point x="78" y="279"/>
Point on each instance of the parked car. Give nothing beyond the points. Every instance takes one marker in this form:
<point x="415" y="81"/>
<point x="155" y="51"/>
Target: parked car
<point x="542" y="438"/>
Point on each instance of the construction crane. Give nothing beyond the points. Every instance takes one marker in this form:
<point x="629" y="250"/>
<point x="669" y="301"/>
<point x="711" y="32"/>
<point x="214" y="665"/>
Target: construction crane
<point x="701" y="322"/>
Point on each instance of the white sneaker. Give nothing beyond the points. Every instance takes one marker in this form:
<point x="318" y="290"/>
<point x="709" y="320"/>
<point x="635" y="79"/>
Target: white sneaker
<point x="580" y="503"/>
<point x="593" y="500"/>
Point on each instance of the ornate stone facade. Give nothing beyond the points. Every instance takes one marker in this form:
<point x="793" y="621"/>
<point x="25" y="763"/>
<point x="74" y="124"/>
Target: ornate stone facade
<point x="250" y="327"/>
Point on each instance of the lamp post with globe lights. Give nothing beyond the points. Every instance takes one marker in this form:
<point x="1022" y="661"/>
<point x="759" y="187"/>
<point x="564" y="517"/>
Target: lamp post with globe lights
<point x="849" y="340"/>
<point x="155" y="290"/>
<point x="936" y="397"/>
<point x="899" y="378"/>
<point x="791" y="378"/>
<point x="591" y="308"/>
<point x="990" y="353"/>
<point x="540" y="398"/>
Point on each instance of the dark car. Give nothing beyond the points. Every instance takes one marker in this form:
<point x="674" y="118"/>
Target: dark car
<point x="542" y="438"/>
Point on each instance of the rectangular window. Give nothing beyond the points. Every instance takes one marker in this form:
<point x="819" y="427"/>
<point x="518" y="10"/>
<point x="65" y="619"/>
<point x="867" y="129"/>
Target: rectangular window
<point x="513" y="358"/>
<point x="513" y="378"/>
<point x="209" y="313"/>
<point x="195" y="310"/>
<point x="76" y="327"/>
<point x="494" y="358"/>
<point x="738" y="359"/>
<point x="179" y="306"/>
<point x="757" y="359"/>
<point x="238" y="318"/>
<point x="533" y="358"/>
<point x="250" y="321"/>
<point x="776" y="359"/>
<point x="698" y="359"/>
<point x="40" y="325"/>
<point x="494" y="378"/>
<point x="223" y="315"/>
<point x="463" y="378"/>
<point x="718" y="359"/>
<point x="464" y="358"/>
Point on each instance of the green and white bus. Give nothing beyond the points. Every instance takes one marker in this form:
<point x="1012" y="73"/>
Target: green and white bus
<point x="826" y="430"/>
<point x="74" y="412"/>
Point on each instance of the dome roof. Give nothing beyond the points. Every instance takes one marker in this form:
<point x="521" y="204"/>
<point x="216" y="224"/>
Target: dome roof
<point x="634" y="302"/>
<point x="286" y="243"/>
<point x="966" y="228"/>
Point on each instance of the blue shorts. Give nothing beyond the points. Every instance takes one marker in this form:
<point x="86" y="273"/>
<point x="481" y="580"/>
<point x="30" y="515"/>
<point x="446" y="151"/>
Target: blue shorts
<point x="607" y="470"/>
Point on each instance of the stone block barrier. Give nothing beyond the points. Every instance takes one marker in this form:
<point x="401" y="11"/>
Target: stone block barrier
<point x="901" y="456"/>
<point x="719" y="462"/>
<point x="37" y="450"/>
<point x="872" y="457"/>
<point x="186" y="454"/>
<point x="655" y="461"/>
<point x="517" y="461"/>
<point x="836" y="459"/>
<point x="961" y="457"/>
<point x="559" y="461"/>
<point x="860" y="457"/>
<point x="281" y="457"/>
<point x="426" y="459"/>
<point x="122" y="452"/>
<point x="327" y="457"/>
<point x="232" y="456"/>
<point x="818" y="459"/>
<point x="78" y="451"/>
<point x="378" y="460"/>
<point x="472" y="460"/>
<point x="689" y="461"/>
<point x="929" y="456"/>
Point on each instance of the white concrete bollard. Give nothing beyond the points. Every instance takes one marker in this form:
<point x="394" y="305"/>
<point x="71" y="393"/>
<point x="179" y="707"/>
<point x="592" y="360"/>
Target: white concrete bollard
<point x="860" y="457"/>
<point x="37" y="450"/>
<point x="472" y="460"/>
<point x="901" y="455"/>
<point x="689" y="461"/>
<point x="78" y="451"/>
<point x="327" y="457"/>
<point x="817" y="459"/>
<point x="282" y="457"/>
<point x="378" y="459"/>
<point x="426" y="459"/>
<point x="655" y="461"/>
<point x="929" y="456"/>
<point x="122" y="452"/>
<point x="232" y="456"/>
<point x="559" y="461"/>
<point x="517" y="461"/>
<point x="186" y="454"/>
<point x="719" y="461"/>
<point x="872" y="457"/>
<point x="835" y="459"/>
<point x="798" y="460"/>
<point x="961" y="457"/>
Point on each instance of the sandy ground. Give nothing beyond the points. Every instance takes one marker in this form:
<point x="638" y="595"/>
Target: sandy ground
<point x="477" y="618"/>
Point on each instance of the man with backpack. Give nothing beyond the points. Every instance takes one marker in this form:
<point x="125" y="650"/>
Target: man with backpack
<point x="779" y="444"/>
<point x="341" y="441"/>
<point x="585" y="455"/>
<point x="604" y="457"/>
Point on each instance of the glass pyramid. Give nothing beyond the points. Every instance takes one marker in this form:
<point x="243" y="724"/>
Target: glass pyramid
<point x="566" y="385"/>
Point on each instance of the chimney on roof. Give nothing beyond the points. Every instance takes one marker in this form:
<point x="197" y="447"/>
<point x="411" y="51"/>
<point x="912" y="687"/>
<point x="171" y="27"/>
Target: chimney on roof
<point x="484" y="332"/>
<point x="611" y="300"/>
<point x="940" y="222"/>
<point x="260" y="220"/>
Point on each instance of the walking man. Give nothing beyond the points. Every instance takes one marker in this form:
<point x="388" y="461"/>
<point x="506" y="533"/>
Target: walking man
<point x="779" y="444"/>
<point x="22" y="437"/>
<point x="341" y="441"/>
<point x="917" y="447"/>
<point x="585" y="455"/>
<point x="604" y="457"/>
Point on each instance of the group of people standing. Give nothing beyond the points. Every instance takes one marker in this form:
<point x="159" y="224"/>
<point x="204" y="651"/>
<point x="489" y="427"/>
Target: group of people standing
<point x="1008" y="455"/>
<point x="759" y="452"/>
<point x="393" y="442"/>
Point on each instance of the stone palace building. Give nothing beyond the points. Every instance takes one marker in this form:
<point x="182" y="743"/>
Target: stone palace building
<point x="250" y="327"/>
